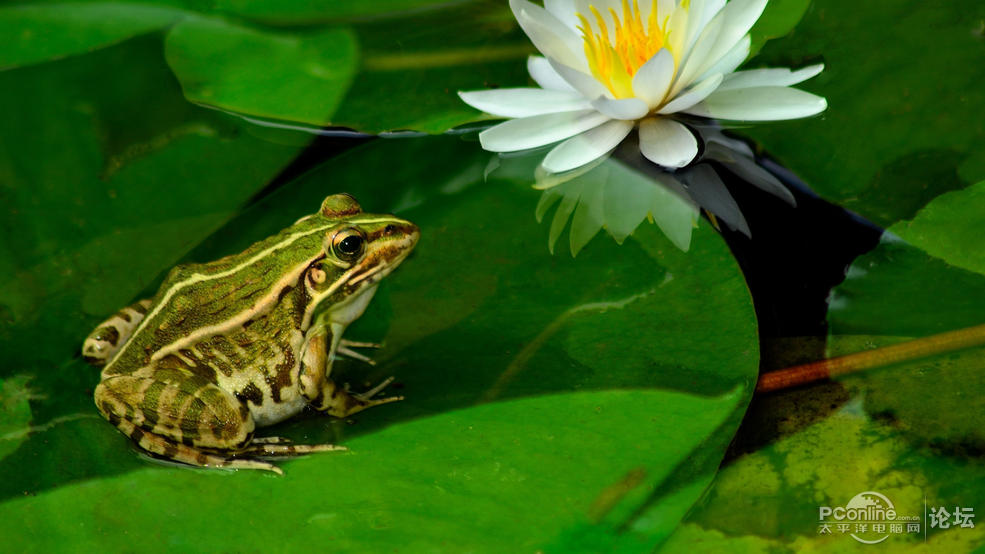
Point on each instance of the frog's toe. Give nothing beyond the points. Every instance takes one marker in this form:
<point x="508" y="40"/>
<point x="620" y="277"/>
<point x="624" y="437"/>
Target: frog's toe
<point x="287" y="450"/>
<point x="270" y="440"/>
<point x="368" y="395"/>
<point x="345" y="348"/>
<point x="358" y="344"/>
<point x="235" y="463"/>
<point x="349" y="353"/>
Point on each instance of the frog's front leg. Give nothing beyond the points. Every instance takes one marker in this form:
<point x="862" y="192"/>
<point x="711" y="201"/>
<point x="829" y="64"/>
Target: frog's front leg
<point x="325" y="395"/>
<point x="345" y="348"/>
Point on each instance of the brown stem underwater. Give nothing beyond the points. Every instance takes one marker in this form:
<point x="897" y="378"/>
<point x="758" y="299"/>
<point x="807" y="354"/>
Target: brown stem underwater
<point x="869" y="359"/>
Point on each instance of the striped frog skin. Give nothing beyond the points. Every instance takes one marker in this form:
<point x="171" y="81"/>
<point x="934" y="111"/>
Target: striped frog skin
<point x="247" y="341"/>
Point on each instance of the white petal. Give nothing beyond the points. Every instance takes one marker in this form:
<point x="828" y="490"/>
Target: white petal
<point x="623" y="108"/>
<point x="538" y="130"/>
<point x="770" y="77"/>
<point x="544" y="75"/>
<point x="678" y="20"/>
<point x="697" y="58"/>
<point x="586" y="147"/>
<point x="587" y="85"/>
<point x="701" y="14"/>
<point x="524" y="102"/>
<point x="653" y="78"/>
<point x="733" y="59"/>
<point x="553" y="38"/>
<point x="760" y="104"/>
<point x="667" y="142"/>
<point x="696" y="94"/>
<point x="738" y="16"/>
<point x="565" y="10"/>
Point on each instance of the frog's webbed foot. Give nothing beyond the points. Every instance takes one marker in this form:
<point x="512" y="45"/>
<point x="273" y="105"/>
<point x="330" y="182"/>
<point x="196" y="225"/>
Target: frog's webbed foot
<point x="345" y="348"/>
<point x="342" y="403"/>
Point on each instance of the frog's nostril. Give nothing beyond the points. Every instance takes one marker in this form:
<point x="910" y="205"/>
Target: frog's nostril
<point x="389" y="230"/>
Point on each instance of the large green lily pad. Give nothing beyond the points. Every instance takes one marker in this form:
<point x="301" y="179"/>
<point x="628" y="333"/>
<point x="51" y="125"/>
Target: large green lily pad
<point x="497" y="478"/>
<point x="547" y="397"/>
<point x="286" y="76"/>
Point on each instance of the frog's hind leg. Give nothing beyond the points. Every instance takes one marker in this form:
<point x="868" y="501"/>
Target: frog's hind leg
<point x="102" y="343"/>
<point x="160" y="447"/>
<point x="180" y="416"/>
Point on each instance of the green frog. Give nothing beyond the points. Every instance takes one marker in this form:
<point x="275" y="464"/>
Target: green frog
<point x="248" y="340"/>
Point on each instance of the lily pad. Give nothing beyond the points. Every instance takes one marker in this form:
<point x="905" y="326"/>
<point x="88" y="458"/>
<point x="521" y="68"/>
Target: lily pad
<point x="768" y="501"/>
<point x="15" y="412"/>
<point x="896" y="133"/>
<point x="779" y="18"/>
<point x="307" y="12"/>
<point x="485" y="478"/>
<point x="290" y="76"/>
<point x="904" y="291"/>
<point x="949" y="228"/>
<point x="412" y="67"/>
<point x="926" y="276"/>
<point x="35" y="33"/>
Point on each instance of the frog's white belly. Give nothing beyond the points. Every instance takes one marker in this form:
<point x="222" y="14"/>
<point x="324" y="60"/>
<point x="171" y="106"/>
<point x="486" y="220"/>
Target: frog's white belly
<point x="270" y="412"/>
<point x="256" y="385"/>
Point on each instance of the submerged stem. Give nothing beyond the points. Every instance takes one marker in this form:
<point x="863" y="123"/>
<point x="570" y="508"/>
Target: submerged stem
<point x="879" y="357"/>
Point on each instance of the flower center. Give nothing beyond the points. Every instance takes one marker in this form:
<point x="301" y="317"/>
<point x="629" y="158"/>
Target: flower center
<point x="614" y="58"/>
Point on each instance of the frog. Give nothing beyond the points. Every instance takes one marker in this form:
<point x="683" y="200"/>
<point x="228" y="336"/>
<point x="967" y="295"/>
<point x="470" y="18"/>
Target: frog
<point x="229" y="347"/>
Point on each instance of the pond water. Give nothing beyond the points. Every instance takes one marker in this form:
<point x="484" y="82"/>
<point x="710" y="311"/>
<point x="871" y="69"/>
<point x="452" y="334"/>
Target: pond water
<point x="589" y="402"/>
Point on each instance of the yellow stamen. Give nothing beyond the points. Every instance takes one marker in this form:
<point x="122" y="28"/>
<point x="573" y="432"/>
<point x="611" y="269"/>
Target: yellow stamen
<point x="614" y="61"/>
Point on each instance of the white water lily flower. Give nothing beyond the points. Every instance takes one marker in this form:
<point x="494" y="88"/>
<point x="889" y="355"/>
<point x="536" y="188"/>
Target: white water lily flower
<point x="610" y="66"/>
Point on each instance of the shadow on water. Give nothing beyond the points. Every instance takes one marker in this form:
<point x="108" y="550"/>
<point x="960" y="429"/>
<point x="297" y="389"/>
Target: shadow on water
<point x="793" y="260"/>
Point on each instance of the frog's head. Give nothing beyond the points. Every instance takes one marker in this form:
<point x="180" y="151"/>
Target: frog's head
<point x="358" y="250"/>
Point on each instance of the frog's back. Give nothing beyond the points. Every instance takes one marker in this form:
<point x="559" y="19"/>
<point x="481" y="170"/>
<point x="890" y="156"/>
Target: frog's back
<point x="197" y="301"/>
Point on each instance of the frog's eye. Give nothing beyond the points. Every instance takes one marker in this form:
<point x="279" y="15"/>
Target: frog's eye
<point x="348" y="244"/>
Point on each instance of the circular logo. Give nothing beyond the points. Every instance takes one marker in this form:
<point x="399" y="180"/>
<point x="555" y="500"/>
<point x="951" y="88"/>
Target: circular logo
<point x="871" y="509"/>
